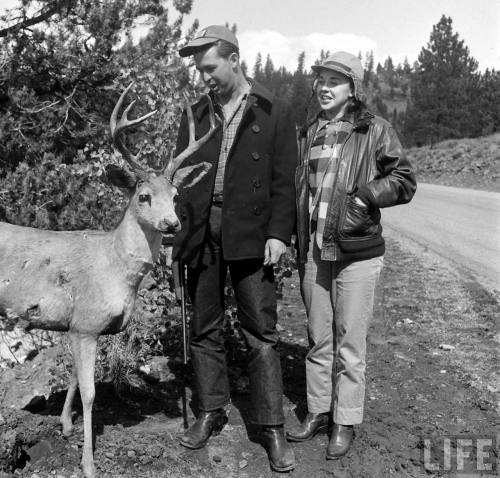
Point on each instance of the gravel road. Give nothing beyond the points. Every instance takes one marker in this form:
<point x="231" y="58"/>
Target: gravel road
<point x="461" y="225"/>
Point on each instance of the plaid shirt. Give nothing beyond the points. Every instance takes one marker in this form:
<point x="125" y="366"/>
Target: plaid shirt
<point x="325" y="150"/>
<point x="229" y="129"/>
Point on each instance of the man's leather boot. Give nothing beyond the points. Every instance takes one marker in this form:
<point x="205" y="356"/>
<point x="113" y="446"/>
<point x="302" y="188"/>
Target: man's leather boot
<point x="340" y="442"/>
<point x="206" y="425"/>
<point x="310" y="426"/>
<point x="281" y="456"/>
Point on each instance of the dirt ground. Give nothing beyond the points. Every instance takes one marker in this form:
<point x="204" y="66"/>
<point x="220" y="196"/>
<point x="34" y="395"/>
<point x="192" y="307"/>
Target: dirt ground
<point x="432" y="372"/>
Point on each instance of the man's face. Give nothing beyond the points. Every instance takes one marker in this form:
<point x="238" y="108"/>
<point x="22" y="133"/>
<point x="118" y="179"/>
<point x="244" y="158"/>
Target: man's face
<point x="332" y="90"/>
<point x="218" y="73"/>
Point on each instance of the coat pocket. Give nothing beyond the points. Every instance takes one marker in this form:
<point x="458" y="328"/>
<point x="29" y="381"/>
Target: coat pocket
<point x="360" y="227"/>
<point x="358" y="220"/>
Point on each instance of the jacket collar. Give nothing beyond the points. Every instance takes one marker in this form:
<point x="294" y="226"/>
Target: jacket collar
<point x="257" y="92"/>
<point x="359" y="119"/>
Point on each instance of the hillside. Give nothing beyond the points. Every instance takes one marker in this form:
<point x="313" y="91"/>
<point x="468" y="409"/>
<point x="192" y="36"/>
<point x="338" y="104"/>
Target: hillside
<point x="470" y="163"/>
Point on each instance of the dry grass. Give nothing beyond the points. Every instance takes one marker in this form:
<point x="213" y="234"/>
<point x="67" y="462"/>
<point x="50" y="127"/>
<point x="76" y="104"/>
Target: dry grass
<point x="469" y="162"/>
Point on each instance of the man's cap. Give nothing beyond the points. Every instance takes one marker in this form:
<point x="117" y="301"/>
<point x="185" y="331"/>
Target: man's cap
<point x="208" y="36"/>
<point x="347" y="64"/>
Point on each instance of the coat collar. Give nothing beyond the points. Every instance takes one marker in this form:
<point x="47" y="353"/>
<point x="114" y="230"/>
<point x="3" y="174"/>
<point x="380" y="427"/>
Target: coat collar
<point x="257" y="93"/>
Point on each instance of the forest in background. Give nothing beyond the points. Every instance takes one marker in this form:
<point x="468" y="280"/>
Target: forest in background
<point x="440" y="96"/>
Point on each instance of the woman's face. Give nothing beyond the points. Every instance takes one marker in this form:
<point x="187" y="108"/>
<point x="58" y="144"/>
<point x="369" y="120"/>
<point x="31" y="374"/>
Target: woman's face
<point x="333" y="90"/>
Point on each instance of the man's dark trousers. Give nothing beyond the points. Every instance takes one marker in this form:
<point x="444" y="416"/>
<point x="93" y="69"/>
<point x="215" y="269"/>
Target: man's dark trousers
<point x="255" y="294"/>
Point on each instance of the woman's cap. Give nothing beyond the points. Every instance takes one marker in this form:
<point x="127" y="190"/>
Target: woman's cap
<point x="208" y="36"/>
<point x="343" y="62"/>
<point x="347" y="64"/>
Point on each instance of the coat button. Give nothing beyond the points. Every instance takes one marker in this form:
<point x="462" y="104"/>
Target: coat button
<point x="255" y="156"/>
<point x="257" y="211"/>
<point x="256" y="183"/>
<point x="255" y="128"/>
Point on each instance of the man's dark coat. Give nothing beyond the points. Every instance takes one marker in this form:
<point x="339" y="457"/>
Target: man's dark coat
<point x="259" y="192"/>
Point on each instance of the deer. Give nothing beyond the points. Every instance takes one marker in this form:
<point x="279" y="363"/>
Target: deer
<point x="85" y="282"/>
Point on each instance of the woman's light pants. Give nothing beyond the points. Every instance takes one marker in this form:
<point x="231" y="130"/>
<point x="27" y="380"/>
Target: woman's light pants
<point x="338" y="297"/>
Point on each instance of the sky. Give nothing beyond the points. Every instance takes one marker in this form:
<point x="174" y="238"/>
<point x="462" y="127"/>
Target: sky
<point x="396" y="28"/>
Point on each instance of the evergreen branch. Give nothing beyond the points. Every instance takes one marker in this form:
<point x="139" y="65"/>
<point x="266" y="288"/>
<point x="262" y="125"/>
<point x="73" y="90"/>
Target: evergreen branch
<point x="43" y="16"/>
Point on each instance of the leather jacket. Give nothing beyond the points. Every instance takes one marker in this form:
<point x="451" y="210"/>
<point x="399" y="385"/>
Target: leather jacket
<point x="372" y="166"/>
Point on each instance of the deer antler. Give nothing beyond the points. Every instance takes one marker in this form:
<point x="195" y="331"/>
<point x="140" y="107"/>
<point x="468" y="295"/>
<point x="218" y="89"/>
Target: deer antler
<point x="193" y="145"/>
<point x="117" y="128"/>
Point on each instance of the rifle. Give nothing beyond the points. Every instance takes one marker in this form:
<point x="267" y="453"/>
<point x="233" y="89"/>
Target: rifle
<point x="179" y="276"/>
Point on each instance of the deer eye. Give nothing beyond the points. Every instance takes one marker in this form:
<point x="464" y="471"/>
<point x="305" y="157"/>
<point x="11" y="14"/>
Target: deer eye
<point x="145" y="198"/>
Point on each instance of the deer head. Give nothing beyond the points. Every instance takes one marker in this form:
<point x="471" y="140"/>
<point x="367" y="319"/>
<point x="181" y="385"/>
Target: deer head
<point x="152" y="192"/>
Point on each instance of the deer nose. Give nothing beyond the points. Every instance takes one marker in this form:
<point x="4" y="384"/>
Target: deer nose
<point x="169" y="226"/>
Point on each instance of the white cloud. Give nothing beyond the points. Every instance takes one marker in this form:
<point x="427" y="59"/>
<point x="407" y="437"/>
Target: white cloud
<point x="284" y="50"/>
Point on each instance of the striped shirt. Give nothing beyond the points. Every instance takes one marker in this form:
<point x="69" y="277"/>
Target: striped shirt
<point x="325" y="150"/>
<point x="229" y="129"/>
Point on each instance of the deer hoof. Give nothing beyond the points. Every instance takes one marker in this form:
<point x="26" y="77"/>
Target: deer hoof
<point x="88" y="470"/>
<point x="67" y="428"/>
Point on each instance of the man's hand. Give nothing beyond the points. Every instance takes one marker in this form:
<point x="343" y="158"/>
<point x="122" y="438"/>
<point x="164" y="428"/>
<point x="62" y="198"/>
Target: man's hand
<point x="273" y="251"/>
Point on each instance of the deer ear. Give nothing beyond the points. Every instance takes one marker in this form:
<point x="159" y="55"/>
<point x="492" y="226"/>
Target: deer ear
<point x="190" y="175"/>
<point x="120" y="177"/>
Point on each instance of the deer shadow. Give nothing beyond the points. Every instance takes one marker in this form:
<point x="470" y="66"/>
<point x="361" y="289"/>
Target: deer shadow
<point x="174" y="399"/>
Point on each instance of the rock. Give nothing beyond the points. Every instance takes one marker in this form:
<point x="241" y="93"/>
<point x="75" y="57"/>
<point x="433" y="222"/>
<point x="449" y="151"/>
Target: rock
<point x="148" y="282"/>
<point x="217" y="458"/>
<point x="145" y="459"/>
<point x="242" y="464"/>
<point x="42" y="449"/>
<point x="31" y="384"/>
<point x="157" y="370"/>
<point x="17" y="346"/>
<point x="446" y="347"/>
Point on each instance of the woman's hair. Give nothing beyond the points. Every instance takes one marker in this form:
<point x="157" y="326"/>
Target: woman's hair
<point x="354" y="105"/>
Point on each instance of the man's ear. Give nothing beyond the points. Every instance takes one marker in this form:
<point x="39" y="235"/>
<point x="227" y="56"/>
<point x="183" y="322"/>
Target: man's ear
<point x="234" y="59"/>
<point x="121" y="177"/>
<point x="190" y="175"/>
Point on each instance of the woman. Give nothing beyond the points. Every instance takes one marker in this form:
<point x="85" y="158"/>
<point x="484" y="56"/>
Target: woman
<point x="351" y="165"/>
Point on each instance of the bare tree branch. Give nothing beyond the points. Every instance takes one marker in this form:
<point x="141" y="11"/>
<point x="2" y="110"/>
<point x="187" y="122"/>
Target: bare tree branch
<point x="41" y="17"/>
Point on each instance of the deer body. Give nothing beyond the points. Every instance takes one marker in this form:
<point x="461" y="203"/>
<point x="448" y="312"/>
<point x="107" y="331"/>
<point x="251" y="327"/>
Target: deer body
<point x="85" y="282"/>
<point x="82" y="282"/>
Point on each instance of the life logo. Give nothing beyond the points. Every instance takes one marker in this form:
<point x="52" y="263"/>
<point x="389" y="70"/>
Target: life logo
<point x="474" y="455"/>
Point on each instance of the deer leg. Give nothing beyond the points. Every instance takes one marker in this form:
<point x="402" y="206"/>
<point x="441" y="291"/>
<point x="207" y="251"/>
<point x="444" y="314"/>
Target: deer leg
<point x="84" y="352"/>
<point x="66" y="420"/>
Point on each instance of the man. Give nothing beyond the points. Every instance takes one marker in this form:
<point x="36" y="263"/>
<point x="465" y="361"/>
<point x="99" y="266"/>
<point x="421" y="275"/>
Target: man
<point x="239" y="217"/>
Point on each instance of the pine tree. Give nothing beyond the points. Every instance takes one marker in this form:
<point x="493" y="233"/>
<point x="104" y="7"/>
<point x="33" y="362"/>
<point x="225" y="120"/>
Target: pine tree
<point x="487" y="103"/>
<point x="369" y="63"/>
<point x="258" y="74"/>
<point x="301" y="62"/>
<point x="301" y="91"/>
<point x="442" y="89"/>
<point x="389" y="72"/>
<point x="268" y="70"/>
